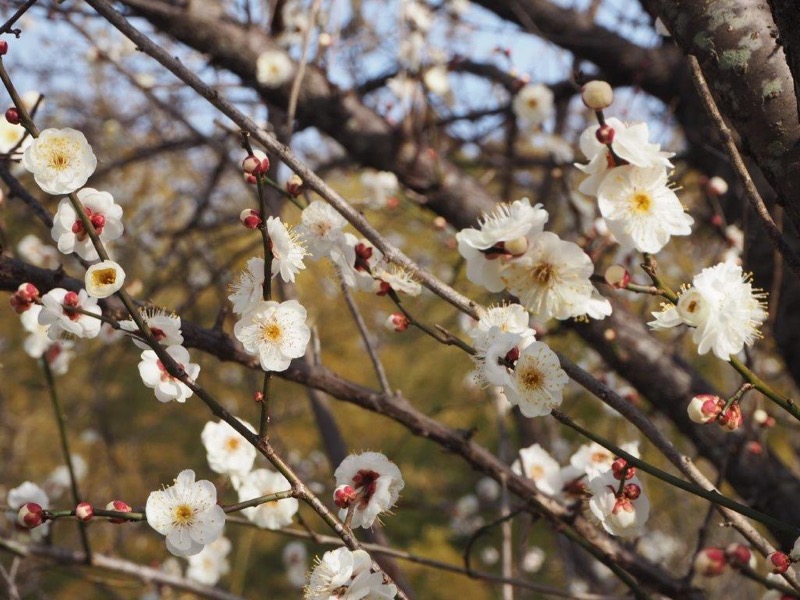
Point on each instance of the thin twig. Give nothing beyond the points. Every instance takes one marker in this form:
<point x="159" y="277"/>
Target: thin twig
<point x="773" y="232"/>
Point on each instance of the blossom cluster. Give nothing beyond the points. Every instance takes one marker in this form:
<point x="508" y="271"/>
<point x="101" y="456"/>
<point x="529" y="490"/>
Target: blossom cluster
<point x="509" y="356"/>
<point x="550" y="276"/>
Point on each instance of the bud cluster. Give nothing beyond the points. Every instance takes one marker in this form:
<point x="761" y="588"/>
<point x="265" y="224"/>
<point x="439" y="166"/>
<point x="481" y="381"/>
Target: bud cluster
<point x="26" y="295"/>
<point x="712" y="561"/>
<point x="705" y="408"/>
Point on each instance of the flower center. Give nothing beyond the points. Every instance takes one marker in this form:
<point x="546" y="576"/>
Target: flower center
<point x="271" y="331"/>
<point x="365" y="482"/>
<point x="536" y="472"/>
<point x="183" y="514"/>
<point x="59" y="155"/>
<point x="641" y="202"/>
<point x="232" y="444"/>
<point x="531" y="378"/>
<point x="533" y="103"/>
<point x="544" y="273"/>
<point x="104" y="276"/>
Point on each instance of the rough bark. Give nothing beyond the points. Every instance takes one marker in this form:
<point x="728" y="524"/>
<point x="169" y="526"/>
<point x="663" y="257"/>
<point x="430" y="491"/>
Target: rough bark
<point x="787" y="18"/>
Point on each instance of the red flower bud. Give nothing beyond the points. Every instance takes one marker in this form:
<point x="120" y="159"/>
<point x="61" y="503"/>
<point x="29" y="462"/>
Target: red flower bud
<point x="605" y="134"/>
<point x="84" y="511"/>
<point x="739" y="553"/>
<point x="618" y="467"/>
<point x="3" y="47"/>
<point x="397" y="322"/>
<point x="710" y="562"/>
<point x="12" y="116"/>
<point x="30" y="515"/>
<point x="779" y="562"/>
<point x="250" y="218"/>
<point x="119" y="506"/>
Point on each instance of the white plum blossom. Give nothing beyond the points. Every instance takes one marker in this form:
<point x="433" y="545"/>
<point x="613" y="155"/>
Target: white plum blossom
<point x="593" y="459"/>
<point x="227" y="451"/>
<point x="37" y="253"/>
<point x="722" y="306"/>
<point x="287" y="250"/>
<point x="376" y="480"/>
<point x="343" y="574"/>
<point x="506" y="318"/>
<point x="275" y="332"/>
<point x="397" y="278"/>
<point x="68" y="230"/>
<point x="356" y="259"/>
<point x="501" y="236"/>
<point x="295" y="561"/>
<point x="623" y="514"/>
<point x="61" y="160"/>
<point x="538" y="381"/>
<point x="543" y="469"/>
<point x="10" y="136"/>
<point x="630" y="143"/>
<point x="491" y="360"/>
<point x="61" y="321"/>
<point x="640" y="209"/>
<point x="186" y="513"/>
<point x="211" y="563"/>
<point x="248" y="289"/>
<point x="262" y="482"/>
<point x="321" y="228"/>
<point x="165" y="327"/>
<point x="154" y="374"/>
<point x="381" y="187"/>
<point x="551" y="279"/>
<point x="533" y="103"/>
<point x="58" y="356"/>
<point x="37" y="342"/>
<point x="23" y="494"/>
<point x="104" y="279"/>
<point x="273" y="68"/>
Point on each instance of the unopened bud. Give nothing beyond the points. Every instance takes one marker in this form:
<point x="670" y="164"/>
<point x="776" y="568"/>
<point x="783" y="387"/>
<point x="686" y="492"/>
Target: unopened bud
<point x="739" y="553"/>
<point x="732" y="419"/>
<point x="119" y="506"/>
<point x="717" y="186"/>
<point x="84" y="511"/>
<point x="250" y="218"/>
<point x="3" y="47"/>
<point x="440" y="223"/>
<point x="397" y="322"/>
<point x="30" y="515"/>
<point x="12" y="116"/>
<point x="605" y="134"/>
<point x="779" y="562"/>
<point x="344" y="496"/>
<point x="258" y="397"/>
<point x="24" y="297"/>
<point x="256" y="164"/>
<point x="710" y="562"/>
<point x="71" y="299"/>
<point x="754" y="447"/>
<point x="704" y="408"/>
<point x="763" y="419"/>
<point x="617" y="277"/>
<point x="632" y="491"/>
<point x="597" y="95"/>
<point x="294" y="185"/>
<point x="620" y="466"/>
<point x="517" y="246"/>
<point x="512" y="355"/>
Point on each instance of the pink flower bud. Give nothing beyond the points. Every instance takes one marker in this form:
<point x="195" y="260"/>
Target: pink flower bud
<point x="84" y="511"/>
<point x="294" y="185"/>
<point x="397" y="322"/>
<point x="704" y="408"/>
<point x="12" y="116"/>
<point x="344" y="496"/>
<point x="763" y="419"/>
<point x="98" y="221"/>
<point x="119" y="506"/>
<point x="710" y="562"/>
<point x="617" y="277"/>
<point x="250" y="218"/>
<point x="618" y="467"/>
<point x="24" y="297"/>
<point x="250" y="164"/>
<point x="258" y="397"/>
<point x="779" y="562"/>
<point x="605" y="134"/>
<point x="3" y="47"/>
<point x="632" y="491"/>
<point x="71" y="299"/>
<point x="732" y="419"/>
<point x="597" y="95"/>
<point x="739" y="553"/>
<point x="30" y="515"/>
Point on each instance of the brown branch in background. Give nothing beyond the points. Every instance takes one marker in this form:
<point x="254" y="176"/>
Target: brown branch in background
<point x="773" y="232"/>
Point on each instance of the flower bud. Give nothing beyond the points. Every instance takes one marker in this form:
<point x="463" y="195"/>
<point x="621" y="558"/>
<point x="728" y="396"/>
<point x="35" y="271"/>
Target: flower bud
<point x="397" y="322"/>
<point x="632" y="491"/>
<point x="754" y="447"/>
<point x="517" y="246"/>
<point x="717" y="186"/>
<point x="741" y="554"/>
<point x="617" y="277"/>
<point x="512" y="355"/>
<point x="3" y="47"/>
<point x="30" y="515"/>
<point x="732" y="419"/>
<point x="605" y="134"/>
<point x="779" y="562"/>
<point x="344" y="496"/>
<point x="24" y="297"/>
<point x="250" y="164"/>
<point x="294" y="185"/>
<point x="710" y="562"/>
<point x="71" y="299"/>
<point x="12" y="116"/>
<point x="763" y="419"/>
<point x="620" y="466"/>
<point x="250" y="218"/>
<point x="119" y="506"/>
<point x="704" y="408"/>
<point x="440" y="223"/>
<point x="84" y="511"/>
<point x="258" y="397"/>
<point x="597" y="95"/>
